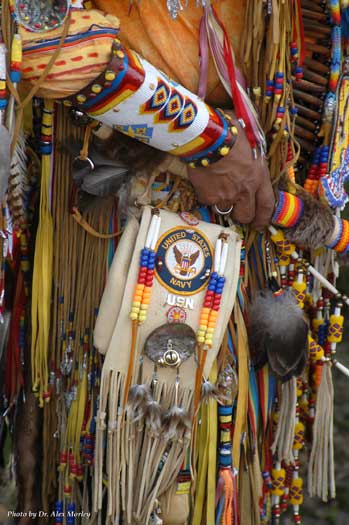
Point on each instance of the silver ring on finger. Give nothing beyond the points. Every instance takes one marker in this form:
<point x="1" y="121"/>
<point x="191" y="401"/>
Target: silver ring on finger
<point x="223" y="212"/>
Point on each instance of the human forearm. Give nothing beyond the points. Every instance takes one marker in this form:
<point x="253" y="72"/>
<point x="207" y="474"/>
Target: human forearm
<point x="128" y="94"/>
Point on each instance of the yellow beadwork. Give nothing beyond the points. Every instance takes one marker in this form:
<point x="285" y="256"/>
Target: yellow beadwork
<point x="278" y="477"/>
<point x="96" y="88"/>
<point x="283" y="245"/>
<point x="81" y="98"/>
<point x="299" y="387"/>
<point x="316" y="323"/>
<point x="316" y="352"/>
<point x="224" y="151"/>
<point x="298" y="442"/>
<point x="299" y="292"/>
<point x="109" y="75"/>
<point x="296" y="491"/>
<point x="335" y="331"/>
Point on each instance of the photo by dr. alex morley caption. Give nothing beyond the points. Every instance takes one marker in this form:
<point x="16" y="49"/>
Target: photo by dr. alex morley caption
<point x="43" y="514"/>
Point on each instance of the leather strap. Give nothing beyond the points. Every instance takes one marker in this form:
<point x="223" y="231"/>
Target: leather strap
<point x="242" y="401"/>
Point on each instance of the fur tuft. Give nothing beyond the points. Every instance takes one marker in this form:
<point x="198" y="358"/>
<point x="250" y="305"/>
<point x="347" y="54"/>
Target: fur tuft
<point x="153" y="417"/>
<point x="278" y="334"/>
<point x="138" y="400"/>
<point x="315" y="226"/>
<point x="228" y="384"/>
<point x="176" y="424"/>
<point x="211" y="391"/>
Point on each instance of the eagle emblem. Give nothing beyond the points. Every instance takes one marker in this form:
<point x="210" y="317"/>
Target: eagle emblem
<point x="185" y="262"/>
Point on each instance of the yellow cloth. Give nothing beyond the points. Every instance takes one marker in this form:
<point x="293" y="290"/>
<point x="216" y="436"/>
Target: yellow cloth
<point x="78" y="64"/>
<point x="170" y="45"/>
<point x="173" y="45"/>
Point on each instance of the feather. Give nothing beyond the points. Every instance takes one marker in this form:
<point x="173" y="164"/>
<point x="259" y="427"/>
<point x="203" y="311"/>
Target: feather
<point x="278" y="333"/>
<point x="228" y="384"/>
<point x="153" y="417"/>
<point x="211" y="391"/>
<point x="5" y="156"/>
<point x="176" y="424"/>
<point x="105" y="180"/>
<point x="139" y="398"/>
<point x="19" y="184"/>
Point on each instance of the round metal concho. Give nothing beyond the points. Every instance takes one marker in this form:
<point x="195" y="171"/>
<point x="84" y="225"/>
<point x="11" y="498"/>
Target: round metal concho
<point x="170" y="344"/>
<point x="41" y="15"/>
<point x="170" y="358"/>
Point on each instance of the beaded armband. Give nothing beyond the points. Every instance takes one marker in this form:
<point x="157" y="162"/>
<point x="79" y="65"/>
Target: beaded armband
<point x="136" y="99"/>
<point x="340" y="236"/>
<point x="288" y="211"/>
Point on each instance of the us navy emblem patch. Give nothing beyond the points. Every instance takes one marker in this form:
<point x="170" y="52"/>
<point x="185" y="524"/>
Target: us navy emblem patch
<point x="183" y="260"/>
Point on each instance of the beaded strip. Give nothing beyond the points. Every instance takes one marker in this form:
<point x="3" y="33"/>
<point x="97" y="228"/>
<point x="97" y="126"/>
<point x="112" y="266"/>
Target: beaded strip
<point x="289" y="210"/>
<point x="335" y="329"/>
<point x="16" y="58"/>
<point x="299" y="288"/>
<point x="225" y="417"/>
<point x="213" y="296"/>
<point x="3" y="92"/>
<point x="135" y="98"/>
<point x="340" y="243"/>
<point x="142" y="294"/>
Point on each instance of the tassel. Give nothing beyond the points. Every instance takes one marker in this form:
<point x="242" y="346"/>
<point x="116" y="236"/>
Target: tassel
<point x="228" y="513"/>
<point x="285" y="430"/>
<point x="321" y="480"/>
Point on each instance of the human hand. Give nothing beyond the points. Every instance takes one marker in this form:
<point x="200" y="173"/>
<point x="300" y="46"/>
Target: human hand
<point x="237" y="180"/>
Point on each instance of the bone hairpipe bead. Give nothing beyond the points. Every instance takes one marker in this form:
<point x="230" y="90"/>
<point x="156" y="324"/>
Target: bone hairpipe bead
<point x="316" y="65"/>
<point x="309" y="99"/>
<point x="304" y="133"/>
<point x="307" y="112"/>
<point x="314" y="77"/>
<point x="310" y="86"/>
<point x="305" y="4"/>
<point x="314" y="15"/>
<point x="306" y="123"/>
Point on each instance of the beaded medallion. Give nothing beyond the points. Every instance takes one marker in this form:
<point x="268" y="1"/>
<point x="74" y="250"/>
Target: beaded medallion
<point x="186" y="260"/>
<point x="39" y="15"/>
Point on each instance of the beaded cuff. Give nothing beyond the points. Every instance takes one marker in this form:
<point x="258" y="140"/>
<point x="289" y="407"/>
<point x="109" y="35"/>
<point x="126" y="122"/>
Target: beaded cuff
<point x="288" y="211"/>
<point x="340" y="237"/>
<point x="136" y="99"/>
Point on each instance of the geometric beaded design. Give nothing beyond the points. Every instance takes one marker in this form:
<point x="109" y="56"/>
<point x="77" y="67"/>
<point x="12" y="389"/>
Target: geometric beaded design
<point x="186" y="117"/>
<point x="335" y="332"/>
<point x="171" y="109"/>
<point x="158" y="100"/>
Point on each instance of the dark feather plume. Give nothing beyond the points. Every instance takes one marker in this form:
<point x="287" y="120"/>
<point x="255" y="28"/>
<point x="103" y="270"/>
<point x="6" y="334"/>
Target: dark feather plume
<point x="104" y="180"/>
<point x="278" y="333"/>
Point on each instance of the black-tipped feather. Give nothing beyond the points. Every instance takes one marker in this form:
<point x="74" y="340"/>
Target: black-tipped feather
<point x="278" y="333"/>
